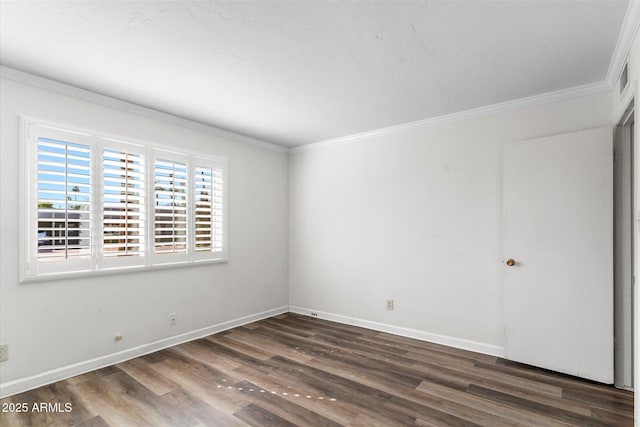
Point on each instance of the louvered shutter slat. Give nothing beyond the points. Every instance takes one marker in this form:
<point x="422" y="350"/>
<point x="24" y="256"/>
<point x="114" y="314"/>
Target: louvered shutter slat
<point x="207" y="208"/>
<point x="170" y="206"/>
<point x="63" y="199"/>
<point x="123" y="207"/>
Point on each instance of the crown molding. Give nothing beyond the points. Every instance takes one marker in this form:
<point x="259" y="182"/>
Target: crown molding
<point x="545" y="98"/>
<point x="627" y="34"/>
<point x="86" y="95"/>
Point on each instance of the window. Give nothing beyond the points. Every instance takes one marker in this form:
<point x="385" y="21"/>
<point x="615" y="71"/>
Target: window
<point x="97" y="204"/>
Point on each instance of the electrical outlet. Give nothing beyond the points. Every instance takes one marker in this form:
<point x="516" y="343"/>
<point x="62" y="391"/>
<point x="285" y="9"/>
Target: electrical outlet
<point x="4" y="352"/>
<point x="173" y="320"/>
<point x="389" y="304"/>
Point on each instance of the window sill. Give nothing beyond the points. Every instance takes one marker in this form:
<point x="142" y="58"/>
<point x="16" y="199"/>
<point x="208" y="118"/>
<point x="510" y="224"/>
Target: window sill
<point x="121" y="270"/>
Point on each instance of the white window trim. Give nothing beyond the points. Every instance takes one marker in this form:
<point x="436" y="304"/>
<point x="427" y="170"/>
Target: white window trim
<point x="98" y="264"/>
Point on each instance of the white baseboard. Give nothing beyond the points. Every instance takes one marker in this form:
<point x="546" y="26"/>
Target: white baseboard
<point x="489" y="349"/>
<point x="24" y="384"/>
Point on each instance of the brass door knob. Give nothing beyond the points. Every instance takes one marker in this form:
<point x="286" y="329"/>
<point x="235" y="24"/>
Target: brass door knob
<point x="511" y="262"/>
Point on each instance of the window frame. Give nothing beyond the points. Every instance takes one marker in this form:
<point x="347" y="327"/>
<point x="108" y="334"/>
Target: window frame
<point x="32" y="269"/>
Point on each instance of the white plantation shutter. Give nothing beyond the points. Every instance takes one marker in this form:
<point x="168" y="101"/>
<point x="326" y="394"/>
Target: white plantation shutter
<point x="63" y="200"/>
<point x="123" y="203"/>
<point x="94" y="203"/>
<point x="217" y="211"/>
<point x="208" y="204"/>
<point x="170" y="206"/>
<point x="202" y="201"/>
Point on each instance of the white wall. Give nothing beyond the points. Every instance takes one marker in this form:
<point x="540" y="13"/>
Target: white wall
<point x="52" y="325"/>
<point x="416" y="216"/>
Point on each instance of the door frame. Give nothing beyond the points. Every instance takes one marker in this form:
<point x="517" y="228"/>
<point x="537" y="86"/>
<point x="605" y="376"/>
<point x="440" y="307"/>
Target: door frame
<point x="624" y="250"/>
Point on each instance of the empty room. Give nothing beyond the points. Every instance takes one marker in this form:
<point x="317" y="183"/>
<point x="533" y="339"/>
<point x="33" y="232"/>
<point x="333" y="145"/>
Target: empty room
<point x="319" y="213"/>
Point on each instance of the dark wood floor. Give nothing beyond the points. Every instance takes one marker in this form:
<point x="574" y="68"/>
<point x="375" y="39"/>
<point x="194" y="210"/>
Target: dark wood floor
<point x="295" y="370"/>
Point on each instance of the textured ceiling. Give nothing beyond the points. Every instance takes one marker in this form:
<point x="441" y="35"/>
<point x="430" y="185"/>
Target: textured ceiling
<point x="293" y="73"/>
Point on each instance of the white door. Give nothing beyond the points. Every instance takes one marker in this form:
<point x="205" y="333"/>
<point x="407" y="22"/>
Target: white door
<point x="558" y="228"/>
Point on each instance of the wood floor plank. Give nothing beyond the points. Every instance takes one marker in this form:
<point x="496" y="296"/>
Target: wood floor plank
<point x="313" y="399"/>
<point x="437" y="358"/>
<point x="363" y="420"/>
<point x="143" y="401"/>
<point x="232" y="341"/>
<point x="286" y="408"/>
<point x="498" y="409"/>
<point x="206" y="413"/>
<point x="452" y="406"/>
<point x="59" y="394"/>
<point x="267" y="344"/>
<point x="556" y="379"/>
<point x="429" y="414"/>
<point x="615" y="418"/>
<point x="282" y="326"/>
<point x="338" y="329"/>
<point x="156" y="357"/>
<point x="200" y="350"/>
<point x="34" y="415"/>
<point x="294" y="370"/>
<point x="100" y="398"/>
<point x="578" y="407"/>
<point x="562" y="415"/>
<point x="96" y="421"/>
<point x="257" y="416"/>
<point x="613" y="403"/>
<point x="144" y="374"/>
<point x="202" y="382"/>
<point x="523" y="383"/>
<point x="361" y="346"/>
